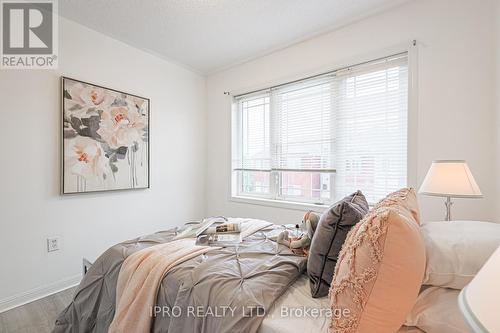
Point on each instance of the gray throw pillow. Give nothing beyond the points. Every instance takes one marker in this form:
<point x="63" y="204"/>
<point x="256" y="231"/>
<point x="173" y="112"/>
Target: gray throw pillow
<point x="328" y="239"/>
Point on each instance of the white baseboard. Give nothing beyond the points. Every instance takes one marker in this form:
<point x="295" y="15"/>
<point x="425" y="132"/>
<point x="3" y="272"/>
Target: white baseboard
<point x="37" y="293"/>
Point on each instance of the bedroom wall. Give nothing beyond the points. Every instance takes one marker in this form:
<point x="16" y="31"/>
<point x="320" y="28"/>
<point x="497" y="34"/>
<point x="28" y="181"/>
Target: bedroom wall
<point x="456" y="96"/>
<point x="32" y="208"/>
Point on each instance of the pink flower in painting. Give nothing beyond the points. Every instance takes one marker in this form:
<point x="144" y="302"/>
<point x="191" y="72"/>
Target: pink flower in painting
<point x="86" y="100"/>
<point x="85" y="157"/>
<point x="121" y="127"/>
<point x="88" y="95"/>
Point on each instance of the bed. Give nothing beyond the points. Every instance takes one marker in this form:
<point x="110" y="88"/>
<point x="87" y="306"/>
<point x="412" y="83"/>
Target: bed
<point x="298" y="297"/>
<point x="258" y="280"/>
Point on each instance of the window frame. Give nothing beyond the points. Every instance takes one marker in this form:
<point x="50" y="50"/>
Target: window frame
<point x="275" y="176"/>
<point x="412" y="108"/>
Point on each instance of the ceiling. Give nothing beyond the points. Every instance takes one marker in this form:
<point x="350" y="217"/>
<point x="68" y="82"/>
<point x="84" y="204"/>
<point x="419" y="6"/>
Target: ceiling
<point x="211" y="35"/>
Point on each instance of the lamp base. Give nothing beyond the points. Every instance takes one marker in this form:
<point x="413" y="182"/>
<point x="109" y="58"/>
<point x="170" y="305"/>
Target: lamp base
<point x="448" y="204"/>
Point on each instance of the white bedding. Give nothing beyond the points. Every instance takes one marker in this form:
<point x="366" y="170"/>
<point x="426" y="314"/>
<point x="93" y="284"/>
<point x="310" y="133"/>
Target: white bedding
<point x="285" y="316"/>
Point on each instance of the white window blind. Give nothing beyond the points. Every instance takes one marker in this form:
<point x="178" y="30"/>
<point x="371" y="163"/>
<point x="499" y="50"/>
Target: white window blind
<point x="302" y="125"/>
<point x="371" y="114"/>
<point x="319" y="139"/>
<point x="255" y="152"/>
<point x="302" y="140"/>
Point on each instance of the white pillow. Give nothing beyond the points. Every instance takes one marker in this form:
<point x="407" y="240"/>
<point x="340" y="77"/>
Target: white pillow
<point x="436" y="311"/>
<point x="456" y="250"/>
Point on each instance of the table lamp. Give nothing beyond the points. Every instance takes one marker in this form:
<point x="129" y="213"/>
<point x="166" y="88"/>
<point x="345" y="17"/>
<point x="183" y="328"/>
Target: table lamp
<point x="478" y="301"/>
<point x="450" y="179"/>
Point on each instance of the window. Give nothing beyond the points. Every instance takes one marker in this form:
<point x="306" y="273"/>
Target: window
<point x="319" y="139"/>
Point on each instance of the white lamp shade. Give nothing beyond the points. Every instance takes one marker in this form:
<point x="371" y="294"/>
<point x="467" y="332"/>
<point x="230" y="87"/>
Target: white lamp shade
<point x="450" y="179"/>
<point x="479" y="300"/>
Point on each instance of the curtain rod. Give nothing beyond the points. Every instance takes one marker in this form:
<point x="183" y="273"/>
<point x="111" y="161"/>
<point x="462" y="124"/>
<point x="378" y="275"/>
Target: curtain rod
<point x="227" y="93"/>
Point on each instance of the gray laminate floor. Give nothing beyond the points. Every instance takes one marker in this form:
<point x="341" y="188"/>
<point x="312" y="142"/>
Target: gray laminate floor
<point x="37" y="316"/>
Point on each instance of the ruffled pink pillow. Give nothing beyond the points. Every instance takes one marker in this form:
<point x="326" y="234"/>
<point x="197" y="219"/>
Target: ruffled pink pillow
<point x="380" y="268"/>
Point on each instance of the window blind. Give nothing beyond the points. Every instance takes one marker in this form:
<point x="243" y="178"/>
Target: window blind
<point x="255" y="120"/>
<point x="302" y="128"/>
<point x="254" y="160"/>
<point x="370" y="107"/>
<point x="321" y="138"/>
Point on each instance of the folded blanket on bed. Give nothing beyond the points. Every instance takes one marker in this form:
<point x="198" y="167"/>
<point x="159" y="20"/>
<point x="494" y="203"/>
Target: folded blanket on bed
<point x="139" y="279"/>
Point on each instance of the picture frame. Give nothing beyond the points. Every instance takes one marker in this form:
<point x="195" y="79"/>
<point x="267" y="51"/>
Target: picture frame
<point x="105" y="138"/>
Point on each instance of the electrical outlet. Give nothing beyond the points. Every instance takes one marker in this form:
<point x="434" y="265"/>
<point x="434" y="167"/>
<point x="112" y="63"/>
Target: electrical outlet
<point x="53" y="244"/>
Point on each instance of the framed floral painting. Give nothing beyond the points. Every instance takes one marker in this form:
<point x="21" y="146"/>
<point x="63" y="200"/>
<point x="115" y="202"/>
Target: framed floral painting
<point x="105" y="138"/>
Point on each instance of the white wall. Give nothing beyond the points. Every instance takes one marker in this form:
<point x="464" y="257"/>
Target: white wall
<point x="456" y="100"/>
<point x="31" y="208"/>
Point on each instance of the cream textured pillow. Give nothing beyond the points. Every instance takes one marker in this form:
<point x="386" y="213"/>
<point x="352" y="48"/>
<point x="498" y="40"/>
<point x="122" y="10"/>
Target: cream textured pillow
<point x="436" y="311"/>
<point x="380" y="268"/>
<point x="457" y="250"/>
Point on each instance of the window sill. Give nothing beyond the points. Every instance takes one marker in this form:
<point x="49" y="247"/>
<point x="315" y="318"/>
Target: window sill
<point x="280" y="204"/>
